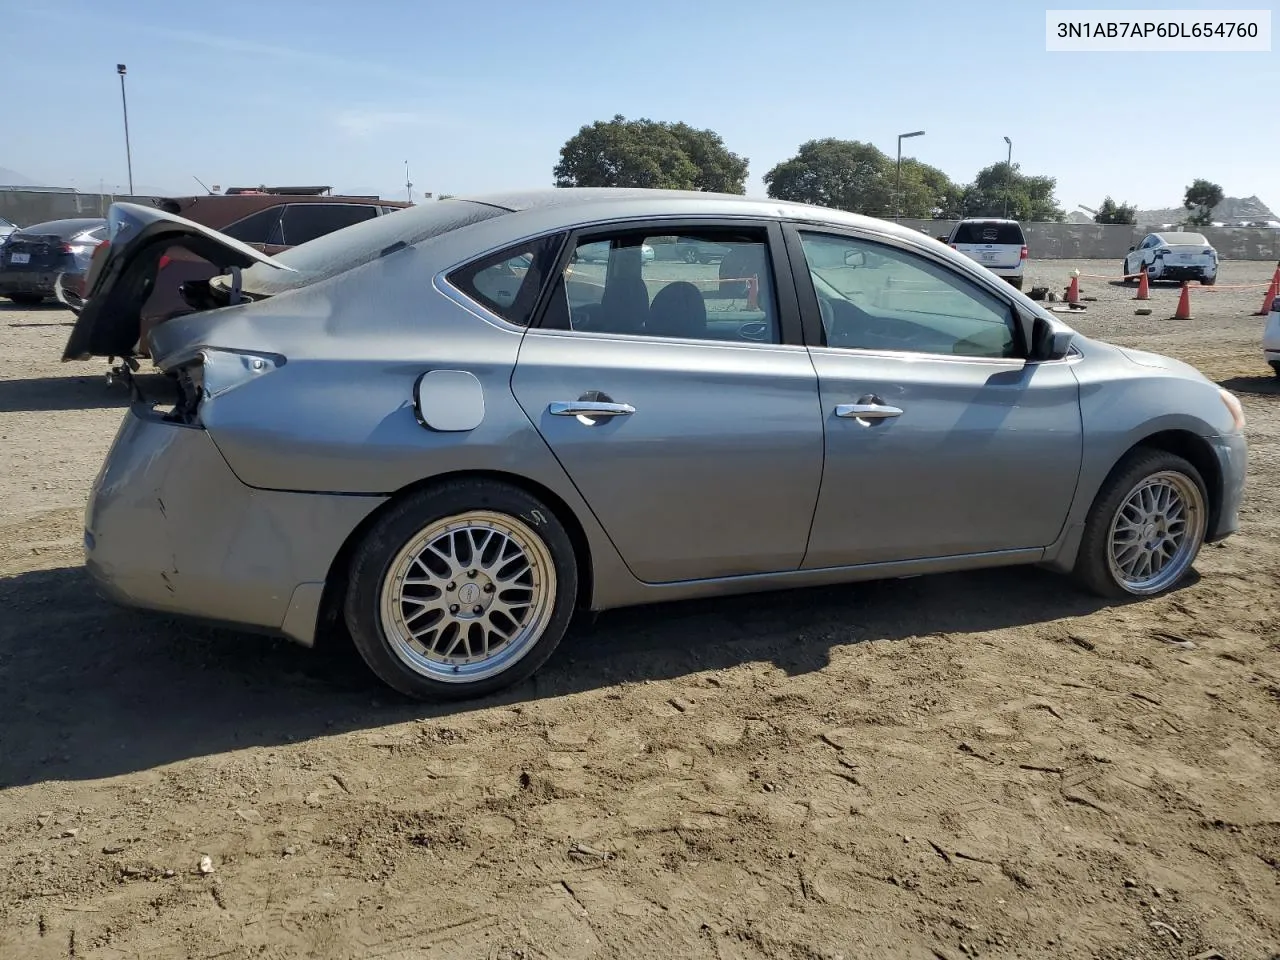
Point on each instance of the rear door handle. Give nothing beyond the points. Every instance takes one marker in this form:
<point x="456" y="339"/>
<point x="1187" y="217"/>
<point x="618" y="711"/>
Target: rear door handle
<point x="590" y="408"/>
<point x="867" y="411"/>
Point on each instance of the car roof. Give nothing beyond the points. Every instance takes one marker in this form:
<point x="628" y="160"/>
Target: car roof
<point x="588" y="203"/>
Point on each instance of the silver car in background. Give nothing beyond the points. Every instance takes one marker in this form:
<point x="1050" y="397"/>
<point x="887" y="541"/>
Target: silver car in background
<point x="445" y="432"/>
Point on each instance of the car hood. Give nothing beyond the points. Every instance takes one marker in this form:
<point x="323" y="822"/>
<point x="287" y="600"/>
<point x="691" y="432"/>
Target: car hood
<point x="1157" y="362"/>
<point x="123" y="273"/>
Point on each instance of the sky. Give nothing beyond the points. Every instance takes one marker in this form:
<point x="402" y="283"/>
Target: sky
<point x="481" y="96"/>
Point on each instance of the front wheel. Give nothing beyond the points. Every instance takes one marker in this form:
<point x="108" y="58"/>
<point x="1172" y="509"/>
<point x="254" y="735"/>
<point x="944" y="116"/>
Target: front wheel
<point x="1146" y="526"/>
<point x="461" y="590"/>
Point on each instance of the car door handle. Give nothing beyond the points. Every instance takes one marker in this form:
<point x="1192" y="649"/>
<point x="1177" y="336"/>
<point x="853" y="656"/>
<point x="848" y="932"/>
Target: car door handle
<point x="867" y="411"/>
<point x="590" y="408"/>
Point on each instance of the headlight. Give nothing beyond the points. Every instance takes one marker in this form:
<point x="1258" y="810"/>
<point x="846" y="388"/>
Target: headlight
<point x="1232" y="403"/>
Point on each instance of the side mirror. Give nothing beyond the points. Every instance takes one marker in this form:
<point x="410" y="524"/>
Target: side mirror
<point x="855" y="258"/>
<point x="1133" y="248"/>
<point x="943" y="237"/>
<point x="1043" y="341"/>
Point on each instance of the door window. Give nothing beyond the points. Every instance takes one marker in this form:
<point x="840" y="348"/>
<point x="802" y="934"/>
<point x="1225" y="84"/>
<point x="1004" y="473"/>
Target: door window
<point x="307" y="221"/>
<point x="876" y="297"/>
<point x="256" y="227"/>
<point x="644" y="283"/>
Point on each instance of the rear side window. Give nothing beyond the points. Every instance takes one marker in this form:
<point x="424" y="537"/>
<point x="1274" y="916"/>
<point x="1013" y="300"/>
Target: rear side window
<point x="256" y="227"/>
<point x="980" y="232"/>
<point x="304" y="222"/>
<point x="509" y="283"/>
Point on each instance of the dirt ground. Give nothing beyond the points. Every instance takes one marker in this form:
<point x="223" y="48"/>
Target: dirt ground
<point x="988" y="764"/>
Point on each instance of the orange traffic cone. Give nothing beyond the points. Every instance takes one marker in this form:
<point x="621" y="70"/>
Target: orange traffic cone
<point x="1184" y="304"/>
<point x="1073" y="291"/>
<point x="1273" y="291"/>
<point x="1143" y="293"/>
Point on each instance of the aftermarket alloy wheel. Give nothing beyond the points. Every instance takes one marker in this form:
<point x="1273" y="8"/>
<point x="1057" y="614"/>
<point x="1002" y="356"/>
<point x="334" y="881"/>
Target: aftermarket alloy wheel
<point x="461" y="590"/>
<point x="1146" y="527"/>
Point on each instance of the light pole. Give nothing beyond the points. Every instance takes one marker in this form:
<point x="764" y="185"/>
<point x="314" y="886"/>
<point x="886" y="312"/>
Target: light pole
<point x="408" y="187"/>
<point x="1008" y="177"/>
<point x="897" y="180"/>
<point x="124" y="102"/>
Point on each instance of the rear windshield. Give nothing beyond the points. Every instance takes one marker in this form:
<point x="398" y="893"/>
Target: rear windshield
<point x="63" y="228"/>
<point x="980" y="232"/>
<point x="348" y="248"/>
<point x="1192" y="239"/>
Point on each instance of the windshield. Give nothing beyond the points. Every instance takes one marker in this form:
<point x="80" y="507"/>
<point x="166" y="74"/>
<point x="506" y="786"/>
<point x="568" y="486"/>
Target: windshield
<point x="988" y="232"/>
<point x="348" y="248"/>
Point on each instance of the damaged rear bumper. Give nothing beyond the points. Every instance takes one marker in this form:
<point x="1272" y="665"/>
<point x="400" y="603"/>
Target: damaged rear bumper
<point x="169" y="527"/>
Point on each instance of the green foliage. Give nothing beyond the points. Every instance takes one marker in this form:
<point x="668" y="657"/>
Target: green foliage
<point x="651" y="154"/>
<point x="1028" y="198"/>
<point x="859" y="177"/>
<point x="1111" y="212"/>
<point x="1201" y="197"/>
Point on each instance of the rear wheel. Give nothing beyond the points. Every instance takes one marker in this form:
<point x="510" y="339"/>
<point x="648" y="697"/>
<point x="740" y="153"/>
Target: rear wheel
<point x="461" y="590"/>
<point x="26" y="299"/>
<point x="1125" y="276"/>
<point x="1275" y="367"/>
<point x="1016" y="281"/>
<point x="1208" y="281"/>
<point x="1146" y="526"/>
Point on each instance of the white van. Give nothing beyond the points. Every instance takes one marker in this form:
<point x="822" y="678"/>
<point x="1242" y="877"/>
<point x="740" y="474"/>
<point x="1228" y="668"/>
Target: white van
<point x="999" y="245"/>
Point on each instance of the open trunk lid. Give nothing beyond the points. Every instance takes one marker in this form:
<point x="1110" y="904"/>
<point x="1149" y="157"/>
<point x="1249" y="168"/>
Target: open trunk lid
<point x="123" y="272"/>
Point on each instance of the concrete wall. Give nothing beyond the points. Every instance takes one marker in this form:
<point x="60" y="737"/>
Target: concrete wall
<point x="1047" y="241"/>
<point x="25" y="207"/>
<point x="1106" y="241"/>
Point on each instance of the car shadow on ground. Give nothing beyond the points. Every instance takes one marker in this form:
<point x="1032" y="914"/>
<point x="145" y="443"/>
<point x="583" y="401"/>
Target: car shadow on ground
<point x="90" y="690"/>
<point x="1267" y="385"/>
<point x="88" y="392"/>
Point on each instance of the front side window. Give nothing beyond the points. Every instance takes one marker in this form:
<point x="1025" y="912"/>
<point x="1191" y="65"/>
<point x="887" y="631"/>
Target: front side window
<point x="509" y="283"/>
<point x="876" y="297"/>
<point x="256" y="227"/>
<point x="646" y="283"/>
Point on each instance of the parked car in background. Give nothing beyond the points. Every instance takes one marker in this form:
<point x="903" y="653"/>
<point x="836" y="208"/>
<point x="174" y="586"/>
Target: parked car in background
<point x="1173" y="255"/>
<point x="33" y="258"/>
<point x="1271" y="337"/>
<point x="270" y="222"/>
<point x="6" y="227"/>
<point x="999" y="245"/>
<point x="692" y="250"/>
<point x="368" y="432"/>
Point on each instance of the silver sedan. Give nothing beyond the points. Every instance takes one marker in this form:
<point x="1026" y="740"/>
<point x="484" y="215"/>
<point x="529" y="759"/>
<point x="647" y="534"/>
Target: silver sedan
<point x="446" y="431"/>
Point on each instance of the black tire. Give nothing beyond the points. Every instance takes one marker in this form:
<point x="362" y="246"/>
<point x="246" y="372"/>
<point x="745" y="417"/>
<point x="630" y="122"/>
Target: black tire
<point x="27" y="299"/>
<point x="1125" y="276"/>
<point x="1092" y="567"/>
<point x="1208" y="283"/>
<point x="398" y="527"/>
<point x="1015" y="282"/>
<point x="1275" y="367"/>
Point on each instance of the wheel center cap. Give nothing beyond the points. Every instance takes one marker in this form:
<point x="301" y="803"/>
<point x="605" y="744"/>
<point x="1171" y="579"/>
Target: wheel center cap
<point x="469" y="593"/>
<point x="1149" y="532"/>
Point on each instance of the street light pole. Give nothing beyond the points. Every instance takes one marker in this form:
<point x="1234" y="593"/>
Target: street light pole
<point x="897" y="179"/>
<point x="124" y="102"/>
<point x="1008" y="177"/>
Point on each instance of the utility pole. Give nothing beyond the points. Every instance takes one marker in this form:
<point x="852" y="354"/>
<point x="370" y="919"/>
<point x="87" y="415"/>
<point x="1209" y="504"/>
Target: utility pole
<point x="408" y="186"/>
<point x="1008" y="177"/>
<point x="124" y="102"/>
<point x="897" y="180"/>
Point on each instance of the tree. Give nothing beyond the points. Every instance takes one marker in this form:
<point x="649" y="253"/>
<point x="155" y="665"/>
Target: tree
<point x="651" y="154"/>
<point x="1029" y="198"/>
<point x="1110" y="212"/>
<point x="927" y="192"/>
<point x="844" y="174"/>
<point x="1201" y="197"/>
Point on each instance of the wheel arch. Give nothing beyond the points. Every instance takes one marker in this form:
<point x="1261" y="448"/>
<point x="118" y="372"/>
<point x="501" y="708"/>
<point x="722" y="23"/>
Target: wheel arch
<point x="330" y="625"/>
